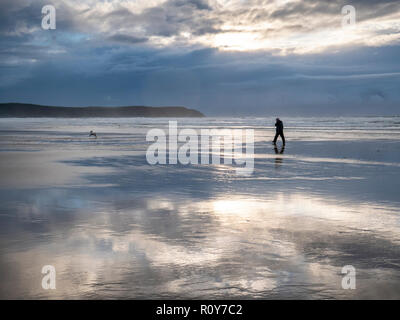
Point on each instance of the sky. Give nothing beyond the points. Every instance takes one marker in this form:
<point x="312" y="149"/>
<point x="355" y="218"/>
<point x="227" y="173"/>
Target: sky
<point x="221" y="57"/>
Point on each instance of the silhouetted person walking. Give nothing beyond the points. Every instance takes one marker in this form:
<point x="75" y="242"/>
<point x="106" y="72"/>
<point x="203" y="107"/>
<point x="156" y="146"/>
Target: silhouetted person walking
<point x="279" y="131"/>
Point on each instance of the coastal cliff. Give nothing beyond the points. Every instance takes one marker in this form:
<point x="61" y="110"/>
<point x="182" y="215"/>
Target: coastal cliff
<point x="22" y="110"/>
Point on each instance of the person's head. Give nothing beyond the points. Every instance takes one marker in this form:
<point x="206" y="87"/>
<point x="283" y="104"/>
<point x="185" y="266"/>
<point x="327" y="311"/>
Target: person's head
<point x="277" y="119"/>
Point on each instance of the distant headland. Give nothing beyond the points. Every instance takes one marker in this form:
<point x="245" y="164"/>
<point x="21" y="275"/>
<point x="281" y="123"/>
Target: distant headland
<point x="23" y="110"/>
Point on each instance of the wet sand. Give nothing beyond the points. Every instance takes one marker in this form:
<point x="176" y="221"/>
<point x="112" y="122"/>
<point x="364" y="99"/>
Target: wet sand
<point x="115" y="227"/>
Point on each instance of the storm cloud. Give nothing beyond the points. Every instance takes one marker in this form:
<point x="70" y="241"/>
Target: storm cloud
<point x="223" y="57"/>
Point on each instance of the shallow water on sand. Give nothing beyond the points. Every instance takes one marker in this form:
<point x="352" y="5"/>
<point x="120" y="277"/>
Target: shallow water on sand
<point x="114" y="226"/>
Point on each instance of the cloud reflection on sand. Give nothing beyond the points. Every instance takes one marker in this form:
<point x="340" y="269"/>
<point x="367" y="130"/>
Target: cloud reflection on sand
<point x="119" y="228"/>
<point x="214" y="248"/>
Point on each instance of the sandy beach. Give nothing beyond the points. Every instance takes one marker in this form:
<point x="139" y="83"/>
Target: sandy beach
<point x="116" y="227"/>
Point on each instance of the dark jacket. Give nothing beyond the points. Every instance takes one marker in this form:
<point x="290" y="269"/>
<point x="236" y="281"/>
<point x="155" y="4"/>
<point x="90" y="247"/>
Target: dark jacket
<point x="279" y="126"/>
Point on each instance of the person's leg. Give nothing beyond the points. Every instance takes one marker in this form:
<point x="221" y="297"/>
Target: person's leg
<point x="283" y="138"/>
<point x="276" y="137"/>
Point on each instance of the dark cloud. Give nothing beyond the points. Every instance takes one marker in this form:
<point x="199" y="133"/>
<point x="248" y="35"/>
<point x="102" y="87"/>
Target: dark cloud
<point x="18" y="17"/>
<point x="110" y="57"/>
<point x="126" y="39"/>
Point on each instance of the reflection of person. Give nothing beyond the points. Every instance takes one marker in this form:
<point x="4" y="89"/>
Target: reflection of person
<point x="278" y="160"/>
<point x="279" y="151"/>
<point x="92" y="133"/>
<point x="279" y="131"/>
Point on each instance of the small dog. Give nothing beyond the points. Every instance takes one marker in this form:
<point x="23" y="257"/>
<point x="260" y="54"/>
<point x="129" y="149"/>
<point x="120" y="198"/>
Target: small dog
<point x="92" y="133"/>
